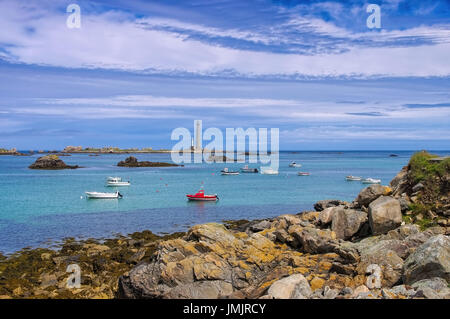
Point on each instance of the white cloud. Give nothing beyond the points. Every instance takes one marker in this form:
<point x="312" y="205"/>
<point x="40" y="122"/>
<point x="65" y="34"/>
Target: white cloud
<point x="362" y="133"/>
<point x="161" y="101"/>
<point x="114" y="41"/>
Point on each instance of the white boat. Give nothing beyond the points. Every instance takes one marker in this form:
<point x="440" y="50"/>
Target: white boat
<point x="98" y="195"/>
<point x="116" y="181"/>
<point x="246" y="169"/>
<point x="226" y="171"/>
<point x="268" y="171"/>
<point x="353" y="178"/>
<point x="294" y="164"/>
<point x="371" y="181"/>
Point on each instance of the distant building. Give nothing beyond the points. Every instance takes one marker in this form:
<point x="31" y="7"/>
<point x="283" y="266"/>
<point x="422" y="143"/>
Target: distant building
<point x="69" y="149"/>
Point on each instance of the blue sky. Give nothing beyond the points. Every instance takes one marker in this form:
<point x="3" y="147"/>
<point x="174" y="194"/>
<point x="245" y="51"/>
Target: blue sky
<point x="136" y="70"/>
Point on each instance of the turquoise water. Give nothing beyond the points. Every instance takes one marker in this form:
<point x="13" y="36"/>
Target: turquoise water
<point x="38" y="206"/>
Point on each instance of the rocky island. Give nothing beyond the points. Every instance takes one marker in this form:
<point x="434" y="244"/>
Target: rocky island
<point x="391" y="242"/>
<point x="133" y="162"/>
<point x="51" y="162"/>
<point x="12" y="151"/>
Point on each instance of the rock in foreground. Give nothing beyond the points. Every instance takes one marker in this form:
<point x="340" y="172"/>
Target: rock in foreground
<point x="133" y="162"/>
<point x="51" y="162"/>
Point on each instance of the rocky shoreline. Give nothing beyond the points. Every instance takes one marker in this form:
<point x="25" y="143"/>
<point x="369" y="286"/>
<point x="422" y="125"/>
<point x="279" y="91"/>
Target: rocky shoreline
<point x="376" y="247"/>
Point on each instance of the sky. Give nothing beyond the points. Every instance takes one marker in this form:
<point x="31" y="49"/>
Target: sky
<point x="136" y="70"/>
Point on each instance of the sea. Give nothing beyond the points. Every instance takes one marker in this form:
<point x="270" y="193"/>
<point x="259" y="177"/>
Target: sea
<point x="42" y="207"/>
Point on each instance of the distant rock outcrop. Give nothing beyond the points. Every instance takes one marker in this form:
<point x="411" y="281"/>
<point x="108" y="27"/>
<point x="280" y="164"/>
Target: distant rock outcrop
<point x="51" y="162"/>
<point x="133" y="162"/>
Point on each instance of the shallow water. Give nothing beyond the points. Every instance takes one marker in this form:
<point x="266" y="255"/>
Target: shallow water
<point x="37" y="206"/>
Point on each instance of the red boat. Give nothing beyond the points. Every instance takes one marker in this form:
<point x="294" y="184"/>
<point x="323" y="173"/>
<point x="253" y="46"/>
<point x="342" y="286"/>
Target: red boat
<point x="200" y="196"/>
<point x="303" y="174"/>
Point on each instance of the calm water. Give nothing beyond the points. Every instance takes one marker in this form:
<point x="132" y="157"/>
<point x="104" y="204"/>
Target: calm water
<point x="38" y="206"/>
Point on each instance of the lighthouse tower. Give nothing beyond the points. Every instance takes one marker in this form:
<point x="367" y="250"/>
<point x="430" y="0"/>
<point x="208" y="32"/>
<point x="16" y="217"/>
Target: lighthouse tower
<point x="198" y="135"/>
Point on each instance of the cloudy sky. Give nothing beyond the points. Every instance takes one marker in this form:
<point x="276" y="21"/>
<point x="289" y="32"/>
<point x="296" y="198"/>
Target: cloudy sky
<point x="136" y="70"/>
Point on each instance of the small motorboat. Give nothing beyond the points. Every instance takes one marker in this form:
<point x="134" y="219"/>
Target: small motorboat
<point x="98" y="195"/>
<point x="371" y="181"/>
<point x="353" y="178"/>
<point x="246" y="169"/>
<point x="226" y="171"/>
<point x="294" y="164"/>
<point x="303" y="174"/>
<point x="200" y="196"/>
<point x="116" y="181"/>
<point x="268" y="171"/>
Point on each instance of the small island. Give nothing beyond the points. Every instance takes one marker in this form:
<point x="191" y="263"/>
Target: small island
<point x="51" y="162"/>
<point x="111" y="150"/>
<point x="12" y="151"/>
<point x="133" y="162"/>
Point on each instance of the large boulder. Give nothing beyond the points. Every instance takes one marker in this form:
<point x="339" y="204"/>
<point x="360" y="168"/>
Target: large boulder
<point x="434" y="288"/>
<point x="292" y="287"/>
<point x="313" y="240"/>
<point x="347" y="222"/>
<point x="384" y="215"/>
<point x="390" y="263"/>
<point x="431" y="259"/>
<point x="322" y="204"/>
<point x="326" y="215"/>
<point x="370" y="193"/>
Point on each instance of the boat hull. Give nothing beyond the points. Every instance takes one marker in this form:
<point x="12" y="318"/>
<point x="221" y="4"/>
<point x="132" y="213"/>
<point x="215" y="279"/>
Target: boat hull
<point x="203" y="199"/>
<point x="249" y="170"/>
<point x="376" y="181"/>
<point x="353" y="178"/>
<point x="113" y="184"/>
<point x="95" y="195"/>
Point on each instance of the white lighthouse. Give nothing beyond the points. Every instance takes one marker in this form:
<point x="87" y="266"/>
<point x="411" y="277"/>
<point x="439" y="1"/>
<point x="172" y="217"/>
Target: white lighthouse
<point x="198" y="135"/>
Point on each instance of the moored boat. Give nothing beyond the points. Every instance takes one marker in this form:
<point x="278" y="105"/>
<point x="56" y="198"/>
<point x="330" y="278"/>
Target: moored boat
<point x="200" y="196"/>
<point x="116" y="181"/>
<point x="246" y="169"/>
<point x="294" y="164"/>
<point x="303" y="174"/>
<point x="226" y="171"/>
<point x="371" y="181"/>
<point x="268" y="171"/>
<point x="353" y="178"/>
<point x="99" y="195"/>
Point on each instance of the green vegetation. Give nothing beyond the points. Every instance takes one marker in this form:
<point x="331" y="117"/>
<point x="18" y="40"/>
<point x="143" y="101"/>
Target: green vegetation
<point x="52" y="157"/>
<point x="431" y="200"/>
<point x="422" y="170"/>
